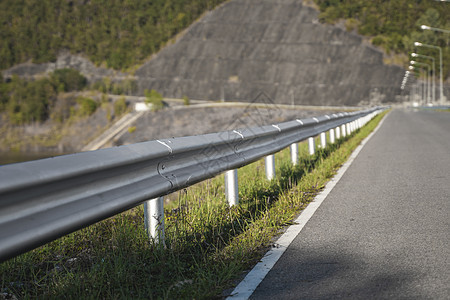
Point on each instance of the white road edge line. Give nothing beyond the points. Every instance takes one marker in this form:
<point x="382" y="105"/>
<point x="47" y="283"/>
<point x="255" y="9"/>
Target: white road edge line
<point x="247" y="286"/>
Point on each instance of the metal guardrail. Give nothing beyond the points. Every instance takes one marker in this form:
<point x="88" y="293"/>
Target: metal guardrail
<point x="434" y="107"/>
<point x="46" y="199"/>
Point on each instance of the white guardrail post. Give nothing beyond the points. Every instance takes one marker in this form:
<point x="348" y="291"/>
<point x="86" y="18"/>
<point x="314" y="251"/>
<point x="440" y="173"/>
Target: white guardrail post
<point x="232" y="187"/>
<point x="154" y="219"/>
<point x="312" y="145"/>
<point x="332" y="136"/>
<point x="323" y="140"/>
<point x="270" y="166"/>
<point x="294" y="153"/>
<point x="338" y="132"/>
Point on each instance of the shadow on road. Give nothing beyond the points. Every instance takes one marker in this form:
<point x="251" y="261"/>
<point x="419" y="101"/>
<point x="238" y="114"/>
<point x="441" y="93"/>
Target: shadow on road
<point x="327" y="273"/>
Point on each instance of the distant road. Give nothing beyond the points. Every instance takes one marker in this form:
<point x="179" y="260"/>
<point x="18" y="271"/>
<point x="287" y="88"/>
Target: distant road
<point x="384" y="230"/>
<point x="121" y="125"/>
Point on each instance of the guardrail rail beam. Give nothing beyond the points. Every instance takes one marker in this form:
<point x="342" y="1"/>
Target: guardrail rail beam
<point x="45" y="199"/>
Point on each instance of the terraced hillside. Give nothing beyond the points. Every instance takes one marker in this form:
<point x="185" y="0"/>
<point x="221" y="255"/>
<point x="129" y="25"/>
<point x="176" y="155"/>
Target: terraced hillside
<point x="276" y="46"/>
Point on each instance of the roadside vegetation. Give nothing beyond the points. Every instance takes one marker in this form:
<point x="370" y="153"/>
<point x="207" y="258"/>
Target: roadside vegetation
<point x="37" y="100"/>
<point x="154" y="99"/>
<point x="31" y="101"/>
<point x="208" y="245"/>
<point x="28" y="101"/>
<point x="37" y="114"/>
<point x="393" y="25"/>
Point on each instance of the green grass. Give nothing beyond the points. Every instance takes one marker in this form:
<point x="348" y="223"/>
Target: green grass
<point x="208" y="244"/>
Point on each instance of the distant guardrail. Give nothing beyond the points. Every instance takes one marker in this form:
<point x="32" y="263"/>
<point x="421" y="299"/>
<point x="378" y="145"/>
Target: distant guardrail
<point x="45" y="199"/>
<point x="434" y="107"/>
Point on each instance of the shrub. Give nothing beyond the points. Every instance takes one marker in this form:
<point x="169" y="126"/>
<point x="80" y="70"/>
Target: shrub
<point x="68" y="80"/>
<point x="352" y="24"/>
<point x="29" y="101"/>
<point x="87" y="106"/>
<point x="120" y="106"/>
<point x="186" y="100"/>
<point x="378" y="40"/>
<point x="155" y="99"/>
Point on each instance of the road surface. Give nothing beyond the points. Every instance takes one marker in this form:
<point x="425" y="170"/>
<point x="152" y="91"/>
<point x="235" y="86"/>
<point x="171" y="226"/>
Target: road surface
<point x="383" y="232"/>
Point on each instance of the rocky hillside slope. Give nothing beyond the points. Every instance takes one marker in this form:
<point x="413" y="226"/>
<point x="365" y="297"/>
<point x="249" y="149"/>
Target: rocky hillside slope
<point x="279" y="47"/>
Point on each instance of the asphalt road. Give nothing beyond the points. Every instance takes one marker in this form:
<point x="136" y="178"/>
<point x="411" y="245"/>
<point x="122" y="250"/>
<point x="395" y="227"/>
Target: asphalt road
<point x="383" y="232"/>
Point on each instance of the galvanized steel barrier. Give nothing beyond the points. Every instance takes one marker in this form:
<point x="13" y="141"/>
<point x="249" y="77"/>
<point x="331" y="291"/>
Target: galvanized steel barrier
<point x="46" y="199"/>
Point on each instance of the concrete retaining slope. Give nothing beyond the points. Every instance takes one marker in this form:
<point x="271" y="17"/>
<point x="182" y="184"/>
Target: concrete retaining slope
<point x="277" y="46"/>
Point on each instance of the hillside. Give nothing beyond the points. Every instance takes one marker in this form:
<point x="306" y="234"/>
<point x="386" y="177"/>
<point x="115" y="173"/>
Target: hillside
<point x="232" y="53"/>
<point x="279" y="47"/>
<point x="122" y="34"/>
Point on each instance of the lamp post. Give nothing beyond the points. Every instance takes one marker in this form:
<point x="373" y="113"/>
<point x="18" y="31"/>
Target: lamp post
<point x="426" y="27"/>
<point x="422" y="87"/>
<point x="441" y="90"/>
<point x="413" y="62"/>
<point x="434" y="70"/>
<point x="405" y="80"/>
<point x="412" y="91"/>
<point x="417" y="87"/>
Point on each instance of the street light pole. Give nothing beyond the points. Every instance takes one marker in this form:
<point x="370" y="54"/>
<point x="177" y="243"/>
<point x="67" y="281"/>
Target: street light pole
<point x="412" y="89"/>
<point x="425" y="27"/>
<point x="434" y="72"/>
<point x="424" y="85"/>
<point x="405" y="80"/>
<point x="441" y="90"/>
<point x="413" y="62"/>
<point x="416" y="87"/>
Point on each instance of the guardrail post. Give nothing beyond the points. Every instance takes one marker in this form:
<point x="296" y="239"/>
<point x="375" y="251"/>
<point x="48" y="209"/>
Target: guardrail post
<point x="270" y="166"/>
<point x="294" y="153"/>
<point x="332" y="138"/>
<point x="338" y="132"/>
<point x="344" y="131"/>
<point x="323" y="140"/>
<point x="349" y="132"/>
<point x="312" y="145"/>
<point x="232" y="187"/>
<point x="154" y="219"/>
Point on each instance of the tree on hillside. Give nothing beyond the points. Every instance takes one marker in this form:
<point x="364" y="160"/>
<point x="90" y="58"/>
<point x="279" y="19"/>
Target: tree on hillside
<point x="68" y="80"/>
<point x="33" y="101"/>
<point x="118" y="33"/>
<point x="393" y="25"/>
